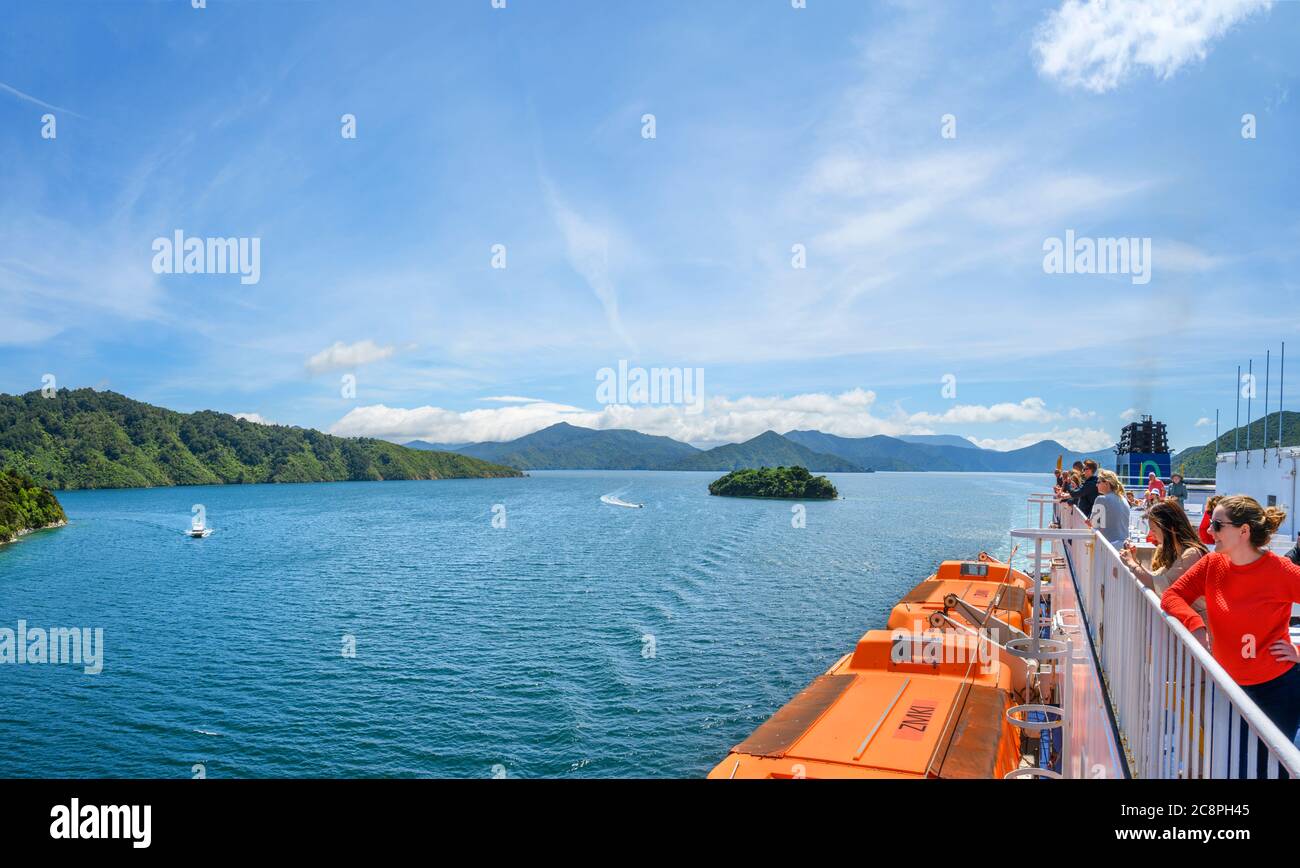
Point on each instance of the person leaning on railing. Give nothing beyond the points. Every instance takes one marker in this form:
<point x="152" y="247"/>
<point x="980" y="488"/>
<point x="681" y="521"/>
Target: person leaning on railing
<point x="1177" y="550"/>
<point x="1110" y="512"/>
<point x="1086" y="493"/>
<point x="1249" y="591"/>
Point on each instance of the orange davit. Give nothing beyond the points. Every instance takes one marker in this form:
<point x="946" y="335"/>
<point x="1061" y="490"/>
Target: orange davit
<point x="900" y="706"/>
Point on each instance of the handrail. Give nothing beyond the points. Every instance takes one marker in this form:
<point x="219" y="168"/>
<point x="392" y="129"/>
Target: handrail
<point x="1178" y="711"/>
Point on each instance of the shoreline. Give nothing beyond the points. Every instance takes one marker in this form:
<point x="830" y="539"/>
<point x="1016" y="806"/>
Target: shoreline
<point x="29" y="530"/>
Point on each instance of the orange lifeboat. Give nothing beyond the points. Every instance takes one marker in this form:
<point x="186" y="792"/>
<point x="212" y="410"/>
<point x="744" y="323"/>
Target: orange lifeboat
<point x="963" y="600"/>
<point x="899" y="706"/>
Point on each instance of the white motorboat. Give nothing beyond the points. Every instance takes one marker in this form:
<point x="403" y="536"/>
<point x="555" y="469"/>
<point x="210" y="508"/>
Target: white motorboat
<point x="614" y="501"/>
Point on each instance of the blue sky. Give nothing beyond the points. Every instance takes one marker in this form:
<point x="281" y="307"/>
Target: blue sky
<point x="774" y="127"/>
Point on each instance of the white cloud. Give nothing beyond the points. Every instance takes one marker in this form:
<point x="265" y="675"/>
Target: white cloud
<point x="1074" y="439"/>
<point x="512" y="399"/>
<point x="719" y="420"/>
<point x="1076" y="413"/>
<point x="1028" y="410"/>
<point x="1129" y="415"/>
<point x="847" y="414"/>
<point x="341" y="355"/>
<point x="1096" y="45"/>
<point x="1204" y="421"/>
<point x="254" y="417"/>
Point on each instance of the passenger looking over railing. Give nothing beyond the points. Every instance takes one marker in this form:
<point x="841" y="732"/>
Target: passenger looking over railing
<point x="1249" y="592"/>
<point x="1206" y="536"/>
<point x="1067" y="481"/>
<point x="1109" y="512"/>
<point x="1177" y="550"/>
<point x="1177" y="488"/>
<point x="1155" y="485"/>
<point x="1086" y="493"/>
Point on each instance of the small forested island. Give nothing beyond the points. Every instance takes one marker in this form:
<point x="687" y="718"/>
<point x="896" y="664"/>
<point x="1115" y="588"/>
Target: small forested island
<point x="786" y="483"/>
<point x="26" y="506"/>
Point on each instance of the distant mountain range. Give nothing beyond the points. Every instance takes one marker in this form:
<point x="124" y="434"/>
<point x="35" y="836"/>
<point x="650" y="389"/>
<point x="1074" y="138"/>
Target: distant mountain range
<point x="566" y="447"/>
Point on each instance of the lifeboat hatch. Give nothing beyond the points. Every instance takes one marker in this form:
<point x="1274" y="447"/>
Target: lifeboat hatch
<point x="784" y="728"/>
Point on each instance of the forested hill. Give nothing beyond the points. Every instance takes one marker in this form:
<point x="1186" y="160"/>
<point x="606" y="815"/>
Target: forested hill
<point x="88" y="439"/>
<point x="25" y="506"/>
<point x="1198" y="461"/>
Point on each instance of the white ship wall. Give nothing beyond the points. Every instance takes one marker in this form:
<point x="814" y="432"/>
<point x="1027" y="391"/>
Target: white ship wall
<point x="1263" y="474"/>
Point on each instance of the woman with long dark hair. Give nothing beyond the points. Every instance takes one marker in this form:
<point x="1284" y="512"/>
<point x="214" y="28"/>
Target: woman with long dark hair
<point x="1177" y="550"/>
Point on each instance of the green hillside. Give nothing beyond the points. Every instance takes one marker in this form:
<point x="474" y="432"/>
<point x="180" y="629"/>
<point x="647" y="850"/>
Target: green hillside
<point x="90" y="439"/>
<point x="24" y="505"/>
<point x="567" y="447"/>
<point x="768" y="449"/>
<point x="1200" y="459"/>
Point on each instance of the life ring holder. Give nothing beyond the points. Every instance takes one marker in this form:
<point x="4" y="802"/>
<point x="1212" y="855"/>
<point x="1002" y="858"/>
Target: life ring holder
<point x="1034" y="727"/>
<point x="1032" y="772"/>
<point x="1048" y="649"/>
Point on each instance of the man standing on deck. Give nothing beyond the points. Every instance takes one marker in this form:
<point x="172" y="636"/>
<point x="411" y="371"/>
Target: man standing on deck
<point x="1084" y="496"/>
<point x="1154" y="484"/>
<point x="1177" y="489"/>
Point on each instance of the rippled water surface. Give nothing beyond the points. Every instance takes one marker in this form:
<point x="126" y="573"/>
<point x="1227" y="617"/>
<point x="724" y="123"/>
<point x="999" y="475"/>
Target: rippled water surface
<point x="580" y="639"/>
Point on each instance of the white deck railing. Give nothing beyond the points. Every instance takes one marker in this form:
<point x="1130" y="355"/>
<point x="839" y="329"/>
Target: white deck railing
<point x="1179" y="714"/>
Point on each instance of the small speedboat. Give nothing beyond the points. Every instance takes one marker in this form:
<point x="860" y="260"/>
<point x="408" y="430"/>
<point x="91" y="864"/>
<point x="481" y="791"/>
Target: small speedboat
<point x="614" y="501"/>
<point x="198" y="532"/>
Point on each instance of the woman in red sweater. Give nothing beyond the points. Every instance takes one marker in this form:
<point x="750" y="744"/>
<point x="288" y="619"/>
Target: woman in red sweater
<point x="1248" y="592"/>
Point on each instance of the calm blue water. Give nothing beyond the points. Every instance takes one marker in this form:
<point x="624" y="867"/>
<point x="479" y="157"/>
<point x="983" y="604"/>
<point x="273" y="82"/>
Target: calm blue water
<point x="526" y="647"/>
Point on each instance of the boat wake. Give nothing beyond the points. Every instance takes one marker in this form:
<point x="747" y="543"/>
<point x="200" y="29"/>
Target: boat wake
<point x="616" y="501"/>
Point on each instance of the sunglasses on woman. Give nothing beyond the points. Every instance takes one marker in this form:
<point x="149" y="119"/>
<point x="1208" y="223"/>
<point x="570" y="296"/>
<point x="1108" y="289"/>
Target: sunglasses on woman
<point x="1217" y="525"/>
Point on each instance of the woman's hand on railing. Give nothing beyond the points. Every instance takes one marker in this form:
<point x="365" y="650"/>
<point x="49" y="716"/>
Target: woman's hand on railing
<point x="1203" y="636"/>
<point x="1285" y="651"/>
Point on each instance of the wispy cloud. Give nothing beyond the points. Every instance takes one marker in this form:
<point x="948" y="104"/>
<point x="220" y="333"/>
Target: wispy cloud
<point x="588" y="246"/>
<point x="40" y="102"/>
